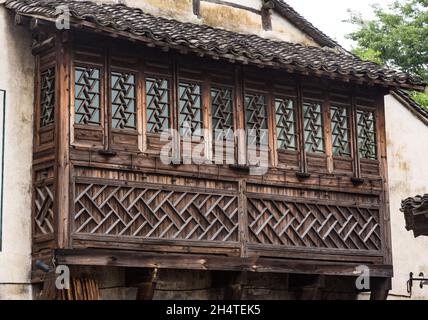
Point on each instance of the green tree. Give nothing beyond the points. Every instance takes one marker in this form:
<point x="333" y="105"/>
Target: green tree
<point x="397" y="38"/>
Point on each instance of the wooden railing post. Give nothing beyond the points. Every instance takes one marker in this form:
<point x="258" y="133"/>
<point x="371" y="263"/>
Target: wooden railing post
<point x="243" y="218"/>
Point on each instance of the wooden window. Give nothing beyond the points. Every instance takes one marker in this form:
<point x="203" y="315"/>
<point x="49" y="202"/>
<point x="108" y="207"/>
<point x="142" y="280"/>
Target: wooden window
<point x="123" y="101"/>
<point x="222" y="111"/>
<point x="313" y="127"/>
<point x="340" y="130"/>
<point x="87" y="100"/>
<point x="286" y="127"/>
<point x="47" y="97"/>
<point x="190" y="109"/>
<point x="158" y="104"/>
<point x="256" y="118"/>
<point x="366" y="123"/>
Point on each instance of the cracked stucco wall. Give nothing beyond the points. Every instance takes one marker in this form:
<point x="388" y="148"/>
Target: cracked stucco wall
<point x="223" y="16"/>
<point x="407" y="139"/>
<point x="16" y="70"/>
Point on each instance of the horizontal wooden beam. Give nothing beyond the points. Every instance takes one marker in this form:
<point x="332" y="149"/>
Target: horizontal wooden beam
<point x="96" y="257"/>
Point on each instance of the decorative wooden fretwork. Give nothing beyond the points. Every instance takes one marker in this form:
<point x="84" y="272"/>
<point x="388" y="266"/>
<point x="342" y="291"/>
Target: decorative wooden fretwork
<point x="313" y="225"/>
<point x="222" y="112"/>
<point x="256" y="118"/>
<point x="286" y="124"/>
<point x="43" y="214"/>
<point x="158" y="105"/>
<point x="340" y="131"/>
<point x="47" y="97"/>
<point x="367" y="134"/>
<point x="313" y="124"/>
<point x="153" y="213"/>
<point x="123" y="101"/>
<point x="87" y="100"/>
<point x="190" y="118"/>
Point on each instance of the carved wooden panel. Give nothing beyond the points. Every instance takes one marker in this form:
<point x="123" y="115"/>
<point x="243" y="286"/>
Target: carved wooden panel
<point x="43" y="214"/>
<point x="47" y="97"/>
<point x="87" y="96"/>
<point x="190" y="109"/>
<point x="286" y="128"/>
<point x="313" y="127"/>
<point x="145" y="211"/>
<point x="123" y="101"/>
<point x="256" y="118"/>
<point x="313" y="225"/>
<point x="367" y="134"/>
<point x="158" y="104"/>
<point x="341" y="133"/>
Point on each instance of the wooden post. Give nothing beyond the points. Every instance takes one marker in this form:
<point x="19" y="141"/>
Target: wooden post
<point x="380" y="288"/>
<point x="307" y="287"/>
<point x="62" y="141"/>
<point x="144" y="280"/>
<point x="232" y="282"/>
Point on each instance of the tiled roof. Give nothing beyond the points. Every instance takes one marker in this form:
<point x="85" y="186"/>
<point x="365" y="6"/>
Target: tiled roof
<point x="220" y="43"/>
<point x="406" y="98"/>
<point x="416" y="214"/>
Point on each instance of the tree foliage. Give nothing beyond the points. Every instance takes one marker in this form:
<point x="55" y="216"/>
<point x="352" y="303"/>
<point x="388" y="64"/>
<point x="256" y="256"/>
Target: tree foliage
<point x="397" y="38"/>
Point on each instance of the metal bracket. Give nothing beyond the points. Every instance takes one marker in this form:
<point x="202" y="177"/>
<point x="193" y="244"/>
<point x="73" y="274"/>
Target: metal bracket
<point x="422" y="282"/>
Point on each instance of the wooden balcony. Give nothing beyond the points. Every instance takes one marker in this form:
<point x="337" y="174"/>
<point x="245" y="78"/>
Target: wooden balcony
<point x="103" y="197"/>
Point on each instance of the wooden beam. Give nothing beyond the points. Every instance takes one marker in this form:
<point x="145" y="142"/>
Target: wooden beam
<point x="197" y="8"/>
<point x="121" y="258"/>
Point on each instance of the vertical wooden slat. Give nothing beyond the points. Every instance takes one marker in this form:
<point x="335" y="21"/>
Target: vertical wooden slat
<point x="243" y="218"/>
<point x="107" y="100"/>
<point x="240" y="116"/>
<point x="300" y="126"/>
<point x="382" y="147"/>
<point x="354" y="134"/>
<point x="62" y="142"/>
<point x="272" y="127"/>
<point x="207" y="115"/>
<point x="327" y="132"/>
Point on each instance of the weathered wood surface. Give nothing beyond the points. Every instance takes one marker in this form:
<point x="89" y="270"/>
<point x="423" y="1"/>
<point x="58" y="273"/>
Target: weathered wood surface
<point x="122" y="258"/>
<point x="103" y="185"/>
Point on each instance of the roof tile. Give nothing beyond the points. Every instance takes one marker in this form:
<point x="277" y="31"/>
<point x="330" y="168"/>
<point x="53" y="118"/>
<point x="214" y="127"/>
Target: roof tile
<point x="219" y="41"/>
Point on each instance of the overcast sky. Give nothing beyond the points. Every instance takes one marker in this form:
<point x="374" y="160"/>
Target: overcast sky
<point x="328" y="15"/>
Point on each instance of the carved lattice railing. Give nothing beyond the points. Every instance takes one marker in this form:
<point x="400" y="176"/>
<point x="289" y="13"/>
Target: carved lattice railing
<point x="149" y="211"/>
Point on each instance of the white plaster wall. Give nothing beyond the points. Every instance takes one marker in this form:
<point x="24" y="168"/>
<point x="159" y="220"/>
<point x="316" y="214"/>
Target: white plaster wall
<point x="16" y="70"/>
<point x="407" y="139"/>
<point x="223" y="16"/>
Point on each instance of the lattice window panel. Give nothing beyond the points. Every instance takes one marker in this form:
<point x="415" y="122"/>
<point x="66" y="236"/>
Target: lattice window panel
<point x="313" y="127"/>
<point x="123" y="101"/>
<point x="286" y="124"/>
<point x="341" y="133"/>
<point x="190" y="117"/>
<point x="256" y="118"/>
<point x="87" y="96"/>
<point x="367" y="134"/>
<point x="158" y="104"/>
<point x="47" y="97"/>
<point x="151" y="213"/>
<point x="222" y="112"/>
<point x="298" y="224"/>
<point x="43" y="215"/>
